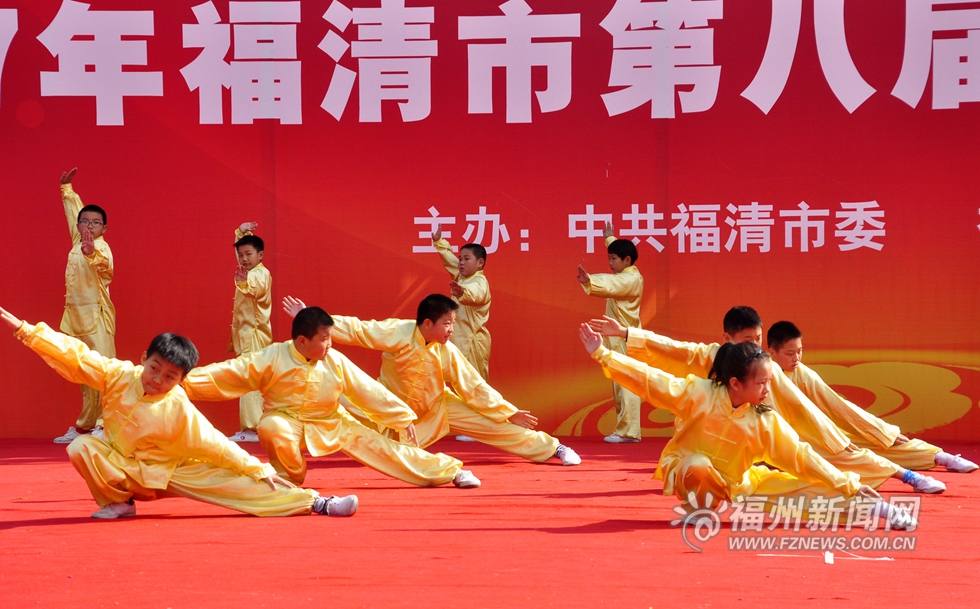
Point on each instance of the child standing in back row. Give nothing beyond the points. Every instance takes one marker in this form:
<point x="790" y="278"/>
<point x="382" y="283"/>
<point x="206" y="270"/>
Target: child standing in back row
<point x="251" y="322"/>
<point x="622" y="289"/>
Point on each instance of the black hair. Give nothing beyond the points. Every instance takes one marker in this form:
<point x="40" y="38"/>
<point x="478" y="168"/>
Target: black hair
<point x="735" y="360"/>
<point x="781" y="332"/>
<point x="94" y="208"/>
<point x="433" y="307"/>
<point x="309" y="321"/>
<point x="623" y="248"/>
<point x="176" y="349"/>
<point x="479" y="252"/>
<point x="253" y="240"/>
<point x="740" y="318"/>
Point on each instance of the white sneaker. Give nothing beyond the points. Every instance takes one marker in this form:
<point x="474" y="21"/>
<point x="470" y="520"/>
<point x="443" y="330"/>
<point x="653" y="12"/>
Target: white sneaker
<point x="466" y="479"/>
<point x="618" y="439"/>
<point x="955" y="463"/>
<point x="116" y="510"/>
<point x="567" y="455"/>
<point x="246" y="435"/>
<point x="335" y="506"/>
<point x="98" y="432"/>
<point x="70" y="435"/>
<point x="464" y="439"/>
<point x="925" y="484"/>
<point x="899" y="517"/>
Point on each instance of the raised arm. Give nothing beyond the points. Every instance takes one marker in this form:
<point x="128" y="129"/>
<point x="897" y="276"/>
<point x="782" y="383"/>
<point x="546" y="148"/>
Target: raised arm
<point x="69" y="357"/>
<point x="72" y="202"/>
<point x="449" y="260"/>
<point x="659" y="388"/>
<point x="674" y="357"/>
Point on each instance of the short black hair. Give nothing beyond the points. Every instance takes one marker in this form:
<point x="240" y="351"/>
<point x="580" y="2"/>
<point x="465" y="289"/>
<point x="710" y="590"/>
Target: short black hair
<point x="623" y="248"/>
<point x="479" y="252"/>
<point x="94" y="208"/>
<point x="253" y="240"/>
<point x="433" y="307"/>
<point x="740" y="318"/>
<point x="735" y="360"/>
<point x="176" y="349"/>
<point x="781" y="332"/>
<point x="309" y="321"/>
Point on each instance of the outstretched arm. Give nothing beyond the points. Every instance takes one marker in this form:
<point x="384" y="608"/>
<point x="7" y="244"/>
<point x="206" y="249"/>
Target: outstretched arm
<point x="12" y="322"/>
<point x="607" y="326"/>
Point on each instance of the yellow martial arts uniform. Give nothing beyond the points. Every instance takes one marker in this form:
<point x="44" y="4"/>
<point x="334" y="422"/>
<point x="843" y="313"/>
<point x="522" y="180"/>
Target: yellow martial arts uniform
<point x="470" y="334"/>
<point x="420" y="374"/>
<point x="622" y="292"/>
<point x="157" y="445"/>
<point x="862" y="427"/>
<point x="813" y="426"/>
<point x="89" y="313"/>
<point x="251" y="329"/>
<point x="716" y="445"/>
<point x="302" y="410"/>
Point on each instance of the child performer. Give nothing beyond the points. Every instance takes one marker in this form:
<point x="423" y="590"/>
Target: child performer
<point x="302" y="382"/>
<point x="419" y="363"/>
<point x="156" y="444"/>
<point x="743" y="324"/>
<point x="89" y="313"/>
<point x="723" y="428"/>
<point x="251" y="322"/>
<point x="622" y="289"/>
<point x="471" y="290"/>
<point x="785" y="343"/>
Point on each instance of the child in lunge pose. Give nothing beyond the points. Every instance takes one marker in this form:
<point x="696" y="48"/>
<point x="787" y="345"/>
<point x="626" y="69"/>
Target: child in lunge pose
<point x="785" y="344"/>
<point x="156" y="444"/>
<point x="418" y="365"/>
<point x="622" y="289"/>
<point x="723" y="427"/>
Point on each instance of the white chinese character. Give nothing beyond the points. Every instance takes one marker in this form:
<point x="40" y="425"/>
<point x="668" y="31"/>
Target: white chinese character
<point x="856" y="216"/>
<point x="593" y="225"/>
<point x="644" y="225"/>
<point x="752" y="226"/>
<point x="804" y="224"/>
<point x="91" y="54"/>
<point x="498" y="231"/>
<point x="955" y="62"/>
<point x="825" y="513"/>
<point x="264" y="78"/>
<point x="658" y="46"/>
<point x="789" y="510"/>
<point x="394" y="54"/>
<point x="517" y="55"/>
<point x="861" y="513"/>
<point x="8" y="27"/>
<point x="432" y="221"/>
<point x="835" y="59"/>
<point x="698" y="228"/>
<point x="749" y="515"/>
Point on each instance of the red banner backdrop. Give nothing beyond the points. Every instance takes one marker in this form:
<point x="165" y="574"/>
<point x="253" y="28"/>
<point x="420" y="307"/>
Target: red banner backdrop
<point x="815" y="160"/>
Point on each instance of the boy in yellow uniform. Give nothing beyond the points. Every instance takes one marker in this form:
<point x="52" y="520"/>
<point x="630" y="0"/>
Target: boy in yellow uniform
<point x="724" y="429"/>
<point x="156" y="444"/>
<point x="743" y="324"/>
<point x="302" y="382"/>
<point x="471" y="290"/>
<point x="785" y="344"/>
<point x="251" y="323"/>
<point x="89" y="313"/>
<point x="622" y="289"/>
<point x="419" y="363"/>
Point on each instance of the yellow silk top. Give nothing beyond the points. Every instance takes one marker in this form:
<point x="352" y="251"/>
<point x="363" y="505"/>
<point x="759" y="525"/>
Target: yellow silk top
<point x="87" y="278"/>
<point x="683" y="358"/>
<point x="150" y="435"/>
<point x="848" y="416"/>
<point x="474" y="312"/>
<point x="305" y="390"/>
<point x="418" y="373"/>
<point x="251" y="322"/>
<point x="623" y="292"/>
<point x="707" y="423"/>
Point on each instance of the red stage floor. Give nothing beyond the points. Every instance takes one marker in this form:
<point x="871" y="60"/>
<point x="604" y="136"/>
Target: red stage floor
<point x="533" y="536"/>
